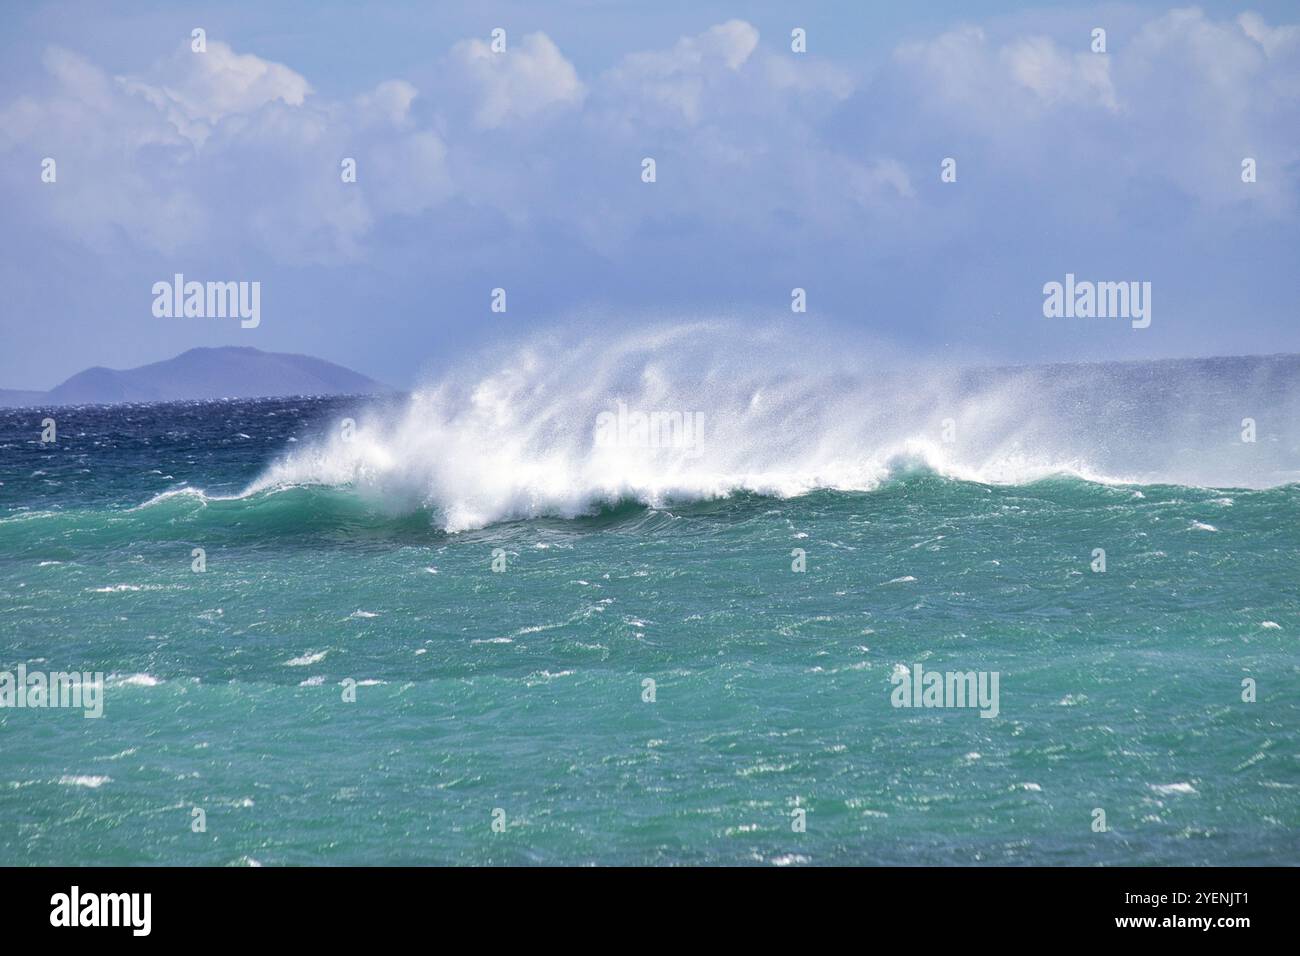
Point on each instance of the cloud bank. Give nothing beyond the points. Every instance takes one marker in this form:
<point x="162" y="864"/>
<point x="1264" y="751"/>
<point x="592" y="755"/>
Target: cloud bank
<point x="774" y="169"/>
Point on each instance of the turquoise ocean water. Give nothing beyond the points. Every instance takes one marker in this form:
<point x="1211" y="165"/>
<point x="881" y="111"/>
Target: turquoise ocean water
<point x="523" y="691"/>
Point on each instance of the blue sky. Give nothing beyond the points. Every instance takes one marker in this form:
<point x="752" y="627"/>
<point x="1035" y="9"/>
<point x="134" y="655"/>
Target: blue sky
<point x="522" y="170"/>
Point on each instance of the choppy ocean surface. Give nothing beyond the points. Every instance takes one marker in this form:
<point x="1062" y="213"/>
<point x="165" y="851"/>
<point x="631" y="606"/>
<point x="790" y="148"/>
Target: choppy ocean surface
<point x="369" y="557"/>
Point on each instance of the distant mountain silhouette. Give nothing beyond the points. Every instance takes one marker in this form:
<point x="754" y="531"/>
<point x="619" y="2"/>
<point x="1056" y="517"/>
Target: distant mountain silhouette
<point x="202" y="374"/>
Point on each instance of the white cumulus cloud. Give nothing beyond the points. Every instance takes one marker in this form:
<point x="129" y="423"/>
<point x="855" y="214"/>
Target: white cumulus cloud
<point x="518" y="83"/>
<point x="197" y="90"/>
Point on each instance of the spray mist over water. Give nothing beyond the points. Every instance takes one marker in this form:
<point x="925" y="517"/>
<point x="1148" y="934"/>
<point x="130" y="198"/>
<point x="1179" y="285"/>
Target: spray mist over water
<point x="700" y="411"/>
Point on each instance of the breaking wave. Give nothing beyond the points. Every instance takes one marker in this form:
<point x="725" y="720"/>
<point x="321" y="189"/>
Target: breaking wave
<point x="563" y="428"/>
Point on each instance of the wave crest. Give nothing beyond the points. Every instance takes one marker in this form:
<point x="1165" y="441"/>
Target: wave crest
<point x="704" y="411"/>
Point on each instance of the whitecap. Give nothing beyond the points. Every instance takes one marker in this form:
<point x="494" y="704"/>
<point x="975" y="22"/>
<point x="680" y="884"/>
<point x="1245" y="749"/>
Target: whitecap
<point x="306" y="660"/>
<point x="93" y="782"/>
<point x="135" y="680"/>
<point x="1164" y="789"/>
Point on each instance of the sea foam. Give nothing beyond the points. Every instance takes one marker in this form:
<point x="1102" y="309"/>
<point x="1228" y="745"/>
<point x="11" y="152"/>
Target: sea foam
<point x="521" y="436"/>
